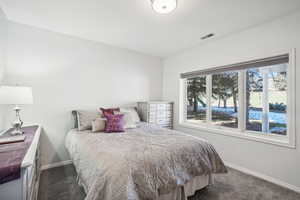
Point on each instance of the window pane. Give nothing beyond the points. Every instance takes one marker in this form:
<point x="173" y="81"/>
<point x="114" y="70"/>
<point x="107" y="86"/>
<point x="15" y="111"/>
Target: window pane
<point x="278" y="101"/>
<point x="224" y="99"/>
<point x="196" y="99"/>
<point x="266" y="99"/>
<point x="254" y="85"/>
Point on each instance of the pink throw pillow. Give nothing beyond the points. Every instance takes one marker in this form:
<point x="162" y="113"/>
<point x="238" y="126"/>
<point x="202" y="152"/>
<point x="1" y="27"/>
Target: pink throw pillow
<point x="114" y="123"/>
<point x="109" y="111"/>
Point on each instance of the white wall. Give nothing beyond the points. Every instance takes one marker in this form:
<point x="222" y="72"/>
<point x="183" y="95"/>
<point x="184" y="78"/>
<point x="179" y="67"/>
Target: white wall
<point x="281" y="163"/>
<point x="3" y="34"/>
<point x="69" y="73"/>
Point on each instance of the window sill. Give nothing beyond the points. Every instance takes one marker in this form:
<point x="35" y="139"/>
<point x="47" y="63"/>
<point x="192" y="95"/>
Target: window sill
<point x="282" y="141"/>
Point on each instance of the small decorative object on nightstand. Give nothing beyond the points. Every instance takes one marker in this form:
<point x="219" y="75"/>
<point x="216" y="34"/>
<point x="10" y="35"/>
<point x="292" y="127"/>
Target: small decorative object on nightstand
<point x="16" y="95"/>
<point x="157" y="112"/>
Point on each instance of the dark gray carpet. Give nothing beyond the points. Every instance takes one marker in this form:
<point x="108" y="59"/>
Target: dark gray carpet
<point x="60" y="184"/>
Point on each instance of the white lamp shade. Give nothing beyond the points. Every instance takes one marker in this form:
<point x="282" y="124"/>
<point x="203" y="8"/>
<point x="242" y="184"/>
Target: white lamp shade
<point x="15" y="95"/>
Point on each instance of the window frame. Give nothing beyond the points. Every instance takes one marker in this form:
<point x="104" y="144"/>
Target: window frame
<point x="288" y="140"/>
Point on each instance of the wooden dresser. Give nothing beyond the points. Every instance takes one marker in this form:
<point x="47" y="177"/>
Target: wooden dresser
<point x="26" y="186"/>
<point x="157" y="112"/>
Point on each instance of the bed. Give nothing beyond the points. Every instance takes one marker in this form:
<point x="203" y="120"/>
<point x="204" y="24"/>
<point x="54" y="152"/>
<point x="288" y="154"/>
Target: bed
<point x="143" y="163"/>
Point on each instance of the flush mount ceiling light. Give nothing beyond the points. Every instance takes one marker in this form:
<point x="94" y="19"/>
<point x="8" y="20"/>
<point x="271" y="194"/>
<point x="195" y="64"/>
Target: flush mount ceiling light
<point x="164" y="6"/>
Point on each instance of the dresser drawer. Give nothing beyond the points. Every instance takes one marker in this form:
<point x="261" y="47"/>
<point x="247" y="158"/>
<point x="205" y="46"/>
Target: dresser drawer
<point x="165" y="114"/>
<point x="164" y="120"/>
<point x="160" y="113"/>
<point x="151" y="117"/>
<point x="152" y="107"/>
<point x="161" y="106"/>
<point x="152" y="113"/>
<point x="167" y="126"/>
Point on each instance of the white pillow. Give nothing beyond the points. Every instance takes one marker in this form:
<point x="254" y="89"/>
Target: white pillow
<point x="128" y="120"/>
<point x="98" y="125"/>
<point x="133" y="113"/>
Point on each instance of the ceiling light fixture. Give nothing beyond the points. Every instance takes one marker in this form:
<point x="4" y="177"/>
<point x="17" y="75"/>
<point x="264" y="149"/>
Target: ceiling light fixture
<point x="164" y="6"/>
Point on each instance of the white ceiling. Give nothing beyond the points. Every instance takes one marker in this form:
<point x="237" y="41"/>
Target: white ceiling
<point x="134" y="25"/>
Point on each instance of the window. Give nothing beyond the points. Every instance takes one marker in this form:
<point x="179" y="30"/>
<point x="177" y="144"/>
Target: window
<point x="252" y="98"/>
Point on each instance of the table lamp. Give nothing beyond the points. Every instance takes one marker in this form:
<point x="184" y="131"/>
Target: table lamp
<point x="16" y="95"/>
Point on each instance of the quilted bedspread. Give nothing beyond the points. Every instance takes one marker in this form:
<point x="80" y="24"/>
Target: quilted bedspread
<point x="139" y="164"/>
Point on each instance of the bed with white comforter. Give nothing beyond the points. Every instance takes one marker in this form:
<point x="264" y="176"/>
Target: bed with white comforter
<point x="144" y="163"/>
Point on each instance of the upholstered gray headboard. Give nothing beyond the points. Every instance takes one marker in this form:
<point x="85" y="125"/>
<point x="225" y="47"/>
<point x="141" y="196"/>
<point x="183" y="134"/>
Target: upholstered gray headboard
<point x="74" y="114"/>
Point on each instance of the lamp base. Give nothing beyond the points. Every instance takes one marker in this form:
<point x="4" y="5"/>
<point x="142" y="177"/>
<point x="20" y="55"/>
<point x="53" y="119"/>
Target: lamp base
<point x="17" y="132"/>
<point x="17" y="124"/>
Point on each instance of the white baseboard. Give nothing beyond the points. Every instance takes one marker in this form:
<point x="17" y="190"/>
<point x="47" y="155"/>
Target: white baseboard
<point x="263" y="176"/>
<point x="57" y="164"/>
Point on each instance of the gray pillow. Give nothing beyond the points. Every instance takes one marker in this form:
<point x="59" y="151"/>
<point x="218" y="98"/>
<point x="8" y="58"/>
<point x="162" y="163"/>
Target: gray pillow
<point x="85" y="118"/>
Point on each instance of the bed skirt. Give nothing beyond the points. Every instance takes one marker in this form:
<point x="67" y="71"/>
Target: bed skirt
<point x="181" y="192"/>
<point x="189" y="189"/>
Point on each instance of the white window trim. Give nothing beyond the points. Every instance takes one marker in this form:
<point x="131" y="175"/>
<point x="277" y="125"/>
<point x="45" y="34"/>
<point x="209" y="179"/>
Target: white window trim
<point x="288" y="141"/>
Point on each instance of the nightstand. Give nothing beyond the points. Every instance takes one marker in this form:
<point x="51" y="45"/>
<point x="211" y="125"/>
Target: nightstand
<point x="20" y="170"/>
